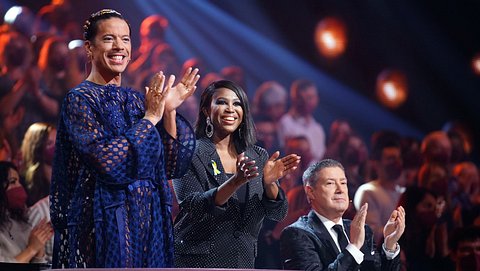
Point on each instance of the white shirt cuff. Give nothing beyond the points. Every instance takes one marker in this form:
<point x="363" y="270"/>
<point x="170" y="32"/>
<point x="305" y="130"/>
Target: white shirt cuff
<point x="356" y="253"/>
<point x="391" y="254"/>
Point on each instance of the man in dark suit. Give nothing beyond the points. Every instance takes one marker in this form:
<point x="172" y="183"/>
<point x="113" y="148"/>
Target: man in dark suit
<point x="322" y="240"/>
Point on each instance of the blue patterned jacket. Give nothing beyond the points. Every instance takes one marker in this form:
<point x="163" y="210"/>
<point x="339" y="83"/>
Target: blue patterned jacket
<point x="110" y="200"/>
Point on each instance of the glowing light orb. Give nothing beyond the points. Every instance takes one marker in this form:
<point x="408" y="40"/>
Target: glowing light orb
<point x="331" y="37"/>
<point x="392" y="88"/>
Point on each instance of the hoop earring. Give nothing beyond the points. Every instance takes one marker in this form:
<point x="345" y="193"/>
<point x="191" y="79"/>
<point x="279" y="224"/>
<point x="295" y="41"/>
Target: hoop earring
<point x="209" y="128"/>
<point x="240" y="133"/>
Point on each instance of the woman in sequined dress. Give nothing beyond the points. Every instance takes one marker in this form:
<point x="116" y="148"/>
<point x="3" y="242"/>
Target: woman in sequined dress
<point x="115" y="151"/>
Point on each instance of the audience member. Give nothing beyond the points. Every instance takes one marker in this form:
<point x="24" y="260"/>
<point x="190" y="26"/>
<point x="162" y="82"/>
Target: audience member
<point x="266" y="134"/>
<point x="354" y="157"/>
<point x="19" y="240"/>
<point x="234" y="74"/>
<point x="270" y="101"/>
<point x="425" y="241"/>
<point x="56" y="76"/>
<point x="37" y="151"/>
<point x="18" y="19"/>
<point x="465" y="247"/>
<point x="5" y="150"/>
<point x="340" y="131"/>
<point x="437" y="148"/>
<point x="299" y="119"/>
<point x="152" y="34"/>
<point x="412" y="160"/>
<point x="434" y="177"/>
<point x="209" y="78"/>
<point x="163" y="58"/>
<point x="382" y="194"/>
<point x="466" y="200"/>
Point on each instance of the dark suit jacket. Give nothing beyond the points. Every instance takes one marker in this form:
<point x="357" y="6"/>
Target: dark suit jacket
<point x="307" y="245"/>
<point x="211" y="236"/>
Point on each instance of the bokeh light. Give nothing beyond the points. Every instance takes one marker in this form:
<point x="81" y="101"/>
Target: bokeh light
<point x="331" y="37"/>
<point x="476" y="64"/>
<point x="392" y="88"/>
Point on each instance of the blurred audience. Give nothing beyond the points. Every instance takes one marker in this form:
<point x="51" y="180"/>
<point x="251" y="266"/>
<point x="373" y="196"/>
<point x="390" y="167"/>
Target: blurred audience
<point x="268" y="243"/>
<point x="382" y="193"/>
<point x="425" y="241"/>
<point x="20" y="241"/>
<point x="412" y="160"/>
<point x="353" y="154"/>
<point x="18" y="19"/>
<point x="466" y="200"/>
<point x="340" y="131"/>
<point x="270" y="101"/>
<point x="436" y="148"/>
<point x="37" y="151"/>
<point x="152" y="34"/>
<point x="15" y="80"/>
<point x="266" y="134"/>
<point x="5" y="150"/>
<point x="299" y="120"/>
<point x="234" y="74"/>
<point x="465" y="246"/>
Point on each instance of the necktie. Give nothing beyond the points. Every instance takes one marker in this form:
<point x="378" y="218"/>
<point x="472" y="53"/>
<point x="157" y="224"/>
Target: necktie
<point x="342" y="239"/>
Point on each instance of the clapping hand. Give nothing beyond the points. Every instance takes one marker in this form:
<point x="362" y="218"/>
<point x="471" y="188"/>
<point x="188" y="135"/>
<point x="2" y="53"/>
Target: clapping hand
<point x="357" y="227"/>
<point x="394" y="228"/>
<point x="155" y="98"/>
<point x="277" y="168"/>
<point x="184" y="89"/>
<point x="246" y="169"/>
<point x="39" y="235"/>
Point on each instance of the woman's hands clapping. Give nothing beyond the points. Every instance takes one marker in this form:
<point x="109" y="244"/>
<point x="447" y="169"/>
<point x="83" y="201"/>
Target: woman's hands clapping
<point x="246" y="169"/>
<point x="277" y="168"/>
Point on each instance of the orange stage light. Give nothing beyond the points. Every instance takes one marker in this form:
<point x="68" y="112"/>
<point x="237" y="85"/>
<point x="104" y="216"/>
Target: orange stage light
<point x="331" y="37"/>
<point x="392" y="88"/>
<point x="476" y="64"/>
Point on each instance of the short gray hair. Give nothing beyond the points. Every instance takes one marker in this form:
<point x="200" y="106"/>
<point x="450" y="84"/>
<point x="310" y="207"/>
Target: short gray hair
<point x="310" y="175"/>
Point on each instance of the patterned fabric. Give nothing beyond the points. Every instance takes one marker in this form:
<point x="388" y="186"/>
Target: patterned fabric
<point x="210" y="236"/>
<point x="110" y="200"/>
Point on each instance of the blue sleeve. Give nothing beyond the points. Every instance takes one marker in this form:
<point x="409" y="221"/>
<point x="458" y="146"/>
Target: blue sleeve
<point x="119" y="159"/>
<point x="178" y="151"/>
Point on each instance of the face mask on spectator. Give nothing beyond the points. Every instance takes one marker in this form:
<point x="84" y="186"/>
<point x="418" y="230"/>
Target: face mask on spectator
<point x="16" y="198"/>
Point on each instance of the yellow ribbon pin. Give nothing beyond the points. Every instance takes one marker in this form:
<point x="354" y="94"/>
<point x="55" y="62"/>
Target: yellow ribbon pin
<point x="215" y="169"/>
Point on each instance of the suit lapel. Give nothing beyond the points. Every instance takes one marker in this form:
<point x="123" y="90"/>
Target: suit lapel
<point x="322" y="233"/>
<point x="208" y="155"/>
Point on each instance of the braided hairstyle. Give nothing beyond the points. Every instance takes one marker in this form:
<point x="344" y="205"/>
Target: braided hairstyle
<point x="91" y="24"/>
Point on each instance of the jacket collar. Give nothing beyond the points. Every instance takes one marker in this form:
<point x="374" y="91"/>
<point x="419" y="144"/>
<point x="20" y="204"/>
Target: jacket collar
<point x="322" y="232"/>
